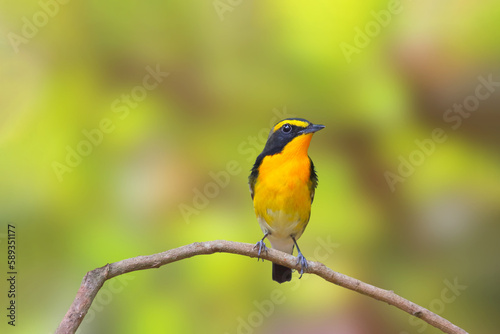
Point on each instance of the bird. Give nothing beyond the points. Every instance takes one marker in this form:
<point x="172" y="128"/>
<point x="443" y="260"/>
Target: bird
<point x="282" y="186"/>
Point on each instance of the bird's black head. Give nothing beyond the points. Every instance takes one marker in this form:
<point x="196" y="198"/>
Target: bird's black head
<point x="285" y="131"/>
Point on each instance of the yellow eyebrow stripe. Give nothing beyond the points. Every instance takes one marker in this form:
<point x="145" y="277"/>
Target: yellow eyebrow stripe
<point x="296" y="122"/>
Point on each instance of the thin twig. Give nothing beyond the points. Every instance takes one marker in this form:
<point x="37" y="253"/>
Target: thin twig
<point x="94" y="280"/>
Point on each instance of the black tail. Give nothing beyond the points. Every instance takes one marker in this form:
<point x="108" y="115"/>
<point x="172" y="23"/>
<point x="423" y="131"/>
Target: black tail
<point x="281" y="273"/>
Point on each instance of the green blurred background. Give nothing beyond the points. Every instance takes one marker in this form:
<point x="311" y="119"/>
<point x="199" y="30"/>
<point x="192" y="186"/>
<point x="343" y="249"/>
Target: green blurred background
<point x="234" y="70"/>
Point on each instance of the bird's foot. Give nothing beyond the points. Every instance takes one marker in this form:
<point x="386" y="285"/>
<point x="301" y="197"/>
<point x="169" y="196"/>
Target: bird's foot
<point x="302" y="262"/>
<point x="261" y="246"/>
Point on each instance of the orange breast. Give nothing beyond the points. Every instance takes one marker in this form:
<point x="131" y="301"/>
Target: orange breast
<point x="282" y="193"/>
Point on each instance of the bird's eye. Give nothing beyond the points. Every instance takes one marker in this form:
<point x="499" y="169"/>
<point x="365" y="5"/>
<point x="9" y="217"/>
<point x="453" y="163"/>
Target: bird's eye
<point x="286" y="128"/>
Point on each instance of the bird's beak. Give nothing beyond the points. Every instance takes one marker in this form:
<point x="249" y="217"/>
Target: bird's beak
<point x="311" y="128"/>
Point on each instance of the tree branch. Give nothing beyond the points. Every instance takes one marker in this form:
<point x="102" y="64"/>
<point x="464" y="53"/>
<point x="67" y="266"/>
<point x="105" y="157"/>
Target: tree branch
<point x="94" y="280"/>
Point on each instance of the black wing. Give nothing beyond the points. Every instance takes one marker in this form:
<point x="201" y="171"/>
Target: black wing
<point x="313" y="180"/>
<point x="252" y="179"/>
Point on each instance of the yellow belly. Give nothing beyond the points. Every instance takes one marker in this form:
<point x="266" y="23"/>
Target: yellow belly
<point x="282" y="199"/>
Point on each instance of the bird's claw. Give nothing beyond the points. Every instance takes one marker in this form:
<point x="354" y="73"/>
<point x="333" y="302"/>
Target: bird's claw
<point x="302" y="262"/>
<point x="262" y="248"/>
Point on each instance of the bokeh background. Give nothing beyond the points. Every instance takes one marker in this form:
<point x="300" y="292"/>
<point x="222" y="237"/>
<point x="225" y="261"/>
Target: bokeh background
<point x="235" y="68"/>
